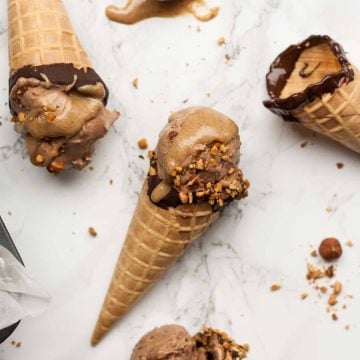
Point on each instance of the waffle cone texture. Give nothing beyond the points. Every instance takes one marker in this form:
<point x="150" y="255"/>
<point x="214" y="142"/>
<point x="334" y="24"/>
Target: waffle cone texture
<point x="40" y="33"/>
<point x="156" y="238"/>
<point x="336" y="115"/>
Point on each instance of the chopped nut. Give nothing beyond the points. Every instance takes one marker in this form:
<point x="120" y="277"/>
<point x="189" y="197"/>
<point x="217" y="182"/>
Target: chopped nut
<point x="303" y="296"/>
<point x="329" y="272"/>
<point x="183" y="198"/>
<point x="190" y="198"/>
<point x="213" y="162"/>
<point x="214" y="150"/>
<point x="223" y="148"/>
<point x="39" y="159"/>
<point x="218" y="187"/>
<point x="314" y="273"/>
<point x="152" y="171"/>
<point x="323" y="289"/>
<point x="200" y="193"/>
<point x="275" y="287"/>
<point x="337" y="287"/>
<point x="332" y="300"/>
<point x="135" y="83"/>
<point x="21" y="116"/>
<point x="313" y="253"/>
<point x="56" y="166"/>
<point x="151" y="154"/>
<point x="200" y="164"/>
<point x="334" y="317"/>
<point x="231" y="171"/>
<point x="349" y="243"/>
<point x="208" y="185"/>
<point x="330" y="249"/>
<point x="328" y="209"/>
<point x="92" y="231"/>
<point x="142" y="143"/>
<point x="221" y="41"/>
<point x="178" y="169"/>
<point x="225" y="158"/>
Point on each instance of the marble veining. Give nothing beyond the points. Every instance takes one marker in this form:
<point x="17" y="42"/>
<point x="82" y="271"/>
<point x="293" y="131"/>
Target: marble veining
<point x="223" y="279"/>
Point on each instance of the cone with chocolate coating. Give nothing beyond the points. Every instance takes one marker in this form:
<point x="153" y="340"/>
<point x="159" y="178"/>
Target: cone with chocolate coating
<point x="156" y="238"/>
<point x="40" y="33"/>
<point x="317" y="88"/>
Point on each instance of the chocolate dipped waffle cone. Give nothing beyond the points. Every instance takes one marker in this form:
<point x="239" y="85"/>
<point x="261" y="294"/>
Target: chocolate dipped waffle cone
<point x="45" y="53"/>
<point x="170" y="214"/>
<point x="313" y="83"/>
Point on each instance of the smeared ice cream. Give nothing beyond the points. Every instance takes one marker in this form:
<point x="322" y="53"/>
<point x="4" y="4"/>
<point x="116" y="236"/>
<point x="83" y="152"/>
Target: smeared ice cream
<point x="197" y="155"/>
<point x="175" y="343"/>
<point x="60" y="123"/>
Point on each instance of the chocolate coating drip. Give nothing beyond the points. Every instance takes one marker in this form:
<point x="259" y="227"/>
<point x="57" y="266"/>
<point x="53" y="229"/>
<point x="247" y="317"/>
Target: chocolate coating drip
<point x="58" y="74"/>
<point x="304" y="74"/>
<point x="284" y="64"/>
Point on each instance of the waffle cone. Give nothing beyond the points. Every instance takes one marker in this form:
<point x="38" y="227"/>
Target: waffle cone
<point x="156" y="238"/>
<point x="40" y="33"/>
<point x="336" y="115"/>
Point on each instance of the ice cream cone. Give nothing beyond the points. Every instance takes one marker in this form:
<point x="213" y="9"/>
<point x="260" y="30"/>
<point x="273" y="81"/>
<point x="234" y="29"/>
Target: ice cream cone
<point x="40" y="33"/>
<point x="156" y="238"/>
<point x="318" y="89"/>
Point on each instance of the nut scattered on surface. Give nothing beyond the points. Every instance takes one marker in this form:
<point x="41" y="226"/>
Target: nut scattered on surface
<point x="275" y="287"/>
<point x="337" y="287"/>
<point x="334" y="317"/>
<point x="142" y="143"/>
<point x="329" y="272"/>
<point x="135" y="83"/>
<point x="330" y="249"/>
<point x="92" y="231"/>
<point x="332" y="300"/>
<point x="221" y="41"/>
<point x="313" y="253"/>
<point x="314" y="273"/>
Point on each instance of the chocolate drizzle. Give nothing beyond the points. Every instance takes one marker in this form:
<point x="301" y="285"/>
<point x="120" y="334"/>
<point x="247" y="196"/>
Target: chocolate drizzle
<point x="59" y="74"/>
<point x="284" y="64"/>
<point x="304" y="74"/>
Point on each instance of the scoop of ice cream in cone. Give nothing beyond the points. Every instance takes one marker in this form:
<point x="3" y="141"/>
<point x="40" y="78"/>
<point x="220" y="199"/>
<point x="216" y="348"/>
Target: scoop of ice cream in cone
<point x="314" y="84"/>
<point x="56" y="98"/>
<point x="174" y="342"/>
<point x="193" y="174"/>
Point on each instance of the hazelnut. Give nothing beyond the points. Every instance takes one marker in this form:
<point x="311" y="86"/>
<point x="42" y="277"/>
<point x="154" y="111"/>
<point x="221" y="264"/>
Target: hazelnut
<point x="142" y="143"/>
<point x="330" y="249"/>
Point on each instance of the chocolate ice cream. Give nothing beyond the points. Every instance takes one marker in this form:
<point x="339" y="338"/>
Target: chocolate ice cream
<point x="175" y="343"/>
<point x="60" y="122"/>
<point x="196" y="160"/>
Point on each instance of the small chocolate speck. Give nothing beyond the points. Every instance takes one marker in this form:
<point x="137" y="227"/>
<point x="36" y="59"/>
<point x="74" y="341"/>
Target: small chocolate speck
<point x="339" y="165"/>
<point x="303" y="144"/>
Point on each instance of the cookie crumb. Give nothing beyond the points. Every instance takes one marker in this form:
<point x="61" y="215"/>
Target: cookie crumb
<point x="303" y="144"/>
<point x="221" y="41"/>
<point x="303" y="296"/>
<point x="142" y="143"/>
<point x="347" y="327"/>
<point x="334" y="317"/>
<point x="349" y="243"/>
<point x="328" y="209"/>
<point x="135" y="83"/>
<point x="92" y="231"/>
<point x="340" y="165"/>
<point x="275" y="287"/>
<point x="323" y="289"/>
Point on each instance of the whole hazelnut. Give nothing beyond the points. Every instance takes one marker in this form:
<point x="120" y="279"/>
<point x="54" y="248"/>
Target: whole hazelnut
<point x="330" y="249"/>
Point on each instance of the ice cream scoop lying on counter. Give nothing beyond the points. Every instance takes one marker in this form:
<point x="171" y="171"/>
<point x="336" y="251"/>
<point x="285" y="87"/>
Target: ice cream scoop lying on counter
<point x="174" y="342"/>
<point x="314" y="84"/>
<point x="56" y="98"/>
<point x="193" y="175"/>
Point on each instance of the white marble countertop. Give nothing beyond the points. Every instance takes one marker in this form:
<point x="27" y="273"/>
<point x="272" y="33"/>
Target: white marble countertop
<point x="223" y="280"/>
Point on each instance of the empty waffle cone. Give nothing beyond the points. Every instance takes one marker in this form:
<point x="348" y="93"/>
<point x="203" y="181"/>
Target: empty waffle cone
<point x="156" y="238"/>
<point x="40" y="33"/>
<point x="314" y="84"/>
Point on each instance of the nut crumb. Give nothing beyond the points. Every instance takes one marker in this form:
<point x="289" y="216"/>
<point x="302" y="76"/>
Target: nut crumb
<point x="337" y="287"/>
<point x="314" y="273"/>
<point x="275" y="287"/>
<point x="221" y="41"/>
<point x="329" y="272"/>
<point x="332" y="300"/>
<point x="313" y="253"/>
<point x="349" y="243"/>
<point x="323" y="289"/>
<point x="334" y="317"/>
<point x="135" y="83"/>
<point x="142" y="143"/>
<point x="339" y="165"/>
<point x="328" y="209"/>
<point x="303" y="144"/>
<point x="303" y="296"/>
<point x="347" y="327"/>
<point x="92" y="231"/>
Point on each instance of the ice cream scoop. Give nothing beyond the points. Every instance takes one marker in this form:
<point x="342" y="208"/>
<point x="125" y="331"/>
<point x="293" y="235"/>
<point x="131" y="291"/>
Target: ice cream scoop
<point x="193" y="174"/>
<point x="174" y="342"/>
<point x="56" y="98"/>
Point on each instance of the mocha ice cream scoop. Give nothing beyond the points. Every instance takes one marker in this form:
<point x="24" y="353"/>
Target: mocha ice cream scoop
<point x="197" y="156"/>
<point x="175" y="343"/>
